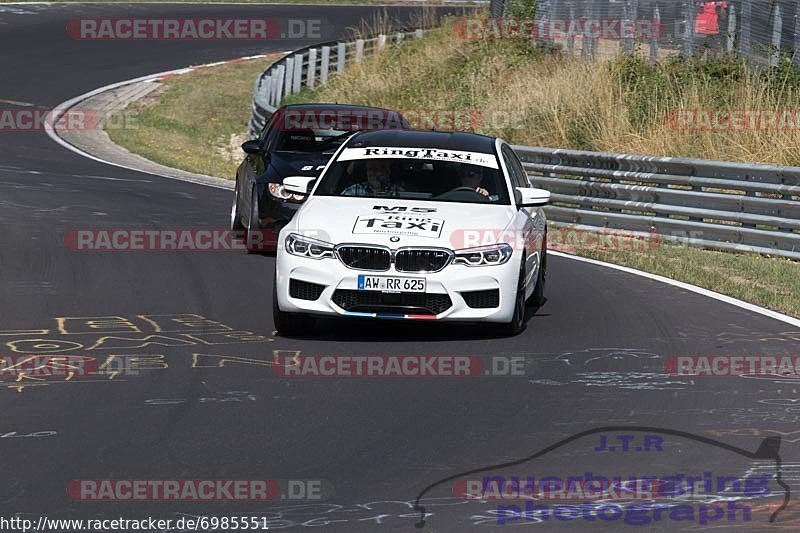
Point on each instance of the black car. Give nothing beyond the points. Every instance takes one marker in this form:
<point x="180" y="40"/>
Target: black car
<point x="298" y="140"/>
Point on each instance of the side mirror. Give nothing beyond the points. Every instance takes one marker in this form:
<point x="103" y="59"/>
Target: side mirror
<point x="531" y="197"/>
<point x="299" y="184"/>
<point x="252" y="147"/>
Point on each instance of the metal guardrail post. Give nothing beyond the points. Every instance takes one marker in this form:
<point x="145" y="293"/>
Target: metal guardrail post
<point x="311" y="77"/>
<point x="496" y="8"/>
<point x="746" y="30"/>
<point x="287" y="85"/>
<point x="796" y="54"/>
<point x="656" y="34"/>
<point x="279" y="87"/>
<point x="688" y="30"/>
<point x="731" y="37"/>
<point x="588" y="44"/>
<point x="544" y="14"/>
<point x="631" y="10"/>
<point x="777" y="33"/>
<point x="325" y="64"/>
<point x="266" y="88"/>
<point x="571" y="33"/>
<point x="359" y="50"/>
<point x="341" y="57"/>
<point x="297" y="76"/>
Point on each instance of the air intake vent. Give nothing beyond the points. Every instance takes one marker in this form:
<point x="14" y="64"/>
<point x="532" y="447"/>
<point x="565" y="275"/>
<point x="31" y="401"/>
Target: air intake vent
<point x="303" y="290"/>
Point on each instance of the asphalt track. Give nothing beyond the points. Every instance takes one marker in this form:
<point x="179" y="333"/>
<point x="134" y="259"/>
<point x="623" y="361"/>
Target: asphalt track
<point x="594" y="353"/>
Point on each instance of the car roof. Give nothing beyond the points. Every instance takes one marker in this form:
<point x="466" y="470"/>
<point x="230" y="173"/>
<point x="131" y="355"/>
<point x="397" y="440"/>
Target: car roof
<point x="468" y="142"/>
<point x="332" y="107"/>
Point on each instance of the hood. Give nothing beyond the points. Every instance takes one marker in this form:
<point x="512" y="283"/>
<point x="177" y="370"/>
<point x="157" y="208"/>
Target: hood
<point x="298" y="164"/>
<point x="397" y="223"/>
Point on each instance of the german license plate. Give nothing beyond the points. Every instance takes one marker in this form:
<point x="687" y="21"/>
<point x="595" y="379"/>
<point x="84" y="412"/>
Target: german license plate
<point x="390" y="284"/>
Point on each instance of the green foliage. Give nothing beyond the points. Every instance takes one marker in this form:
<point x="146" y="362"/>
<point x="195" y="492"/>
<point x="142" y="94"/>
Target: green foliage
<point x="522" y="9"/>
<point x="648" y="88"/>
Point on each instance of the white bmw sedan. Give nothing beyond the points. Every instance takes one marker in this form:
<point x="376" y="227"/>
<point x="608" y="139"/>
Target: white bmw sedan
<point x="413" y="225"/>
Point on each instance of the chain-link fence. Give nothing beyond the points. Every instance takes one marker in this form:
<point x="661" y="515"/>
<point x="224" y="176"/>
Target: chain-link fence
<point x="764" y="31"/>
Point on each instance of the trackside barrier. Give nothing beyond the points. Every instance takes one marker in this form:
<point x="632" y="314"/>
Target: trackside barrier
<point x="310" y="66"/>
<point x="710" y="204"/>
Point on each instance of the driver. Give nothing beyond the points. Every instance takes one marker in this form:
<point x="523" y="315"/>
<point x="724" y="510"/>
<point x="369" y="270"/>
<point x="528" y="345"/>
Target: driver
<point x="378" y="181"/>
<point x="472" y="176"/>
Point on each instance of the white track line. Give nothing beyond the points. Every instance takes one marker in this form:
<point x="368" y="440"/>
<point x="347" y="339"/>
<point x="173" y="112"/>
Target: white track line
<point x="693" y="288"/>
<point x="63" y="107"/>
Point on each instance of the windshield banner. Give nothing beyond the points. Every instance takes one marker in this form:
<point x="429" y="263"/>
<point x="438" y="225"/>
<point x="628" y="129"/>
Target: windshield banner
<point x="433" y="154"/>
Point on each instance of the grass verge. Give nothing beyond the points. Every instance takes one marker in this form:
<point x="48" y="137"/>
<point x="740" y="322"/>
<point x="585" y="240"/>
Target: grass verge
<point x="528" y="96"/>
<point x="197" y="122"/>
<point x="771" y="282"/>
<point x="570" y="108"/>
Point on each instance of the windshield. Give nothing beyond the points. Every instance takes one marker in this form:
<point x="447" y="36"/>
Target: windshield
<point x="416" y="173"/>
<point x="311" y="140"/>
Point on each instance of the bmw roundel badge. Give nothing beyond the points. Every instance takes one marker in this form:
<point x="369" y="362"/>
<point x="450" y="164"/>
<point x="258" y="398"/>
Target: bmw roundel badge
<point x="394" y="238"/>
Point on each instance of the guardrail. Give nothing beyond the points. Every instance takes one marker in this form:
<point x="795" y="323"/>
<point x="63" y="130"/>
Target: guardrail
<point x="710" y="204"/>
<point x="310" y="66"/>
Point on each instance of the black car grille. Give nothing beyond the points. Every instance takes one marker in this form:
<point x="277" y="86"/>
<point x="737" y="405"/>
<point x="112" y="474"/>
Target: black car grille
<point x="303" y="290"/>
<point x="482" y="299"/>
<point x="375" y="302"/>
<point x="421" y="260"/>
<point x="364" y="257"/>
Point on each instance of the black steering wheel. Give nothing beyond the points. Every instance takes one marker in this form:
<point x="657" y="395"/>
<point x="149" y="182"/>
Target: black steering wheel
<point x="460" y="191"/>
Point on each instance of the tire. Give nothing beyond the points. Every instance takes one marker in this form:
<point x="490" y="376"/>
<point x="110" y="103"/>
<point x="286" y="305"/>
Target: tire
<point x="236" y="215"/>
<point x="517" y="323"/>
<point x="537" y="298"/>
<point x="252" y="242"/>
<point x="289" y="324"/>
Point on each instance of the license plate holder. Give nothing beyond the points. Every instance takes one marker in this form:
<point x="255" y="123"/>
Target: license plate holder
<point x="392" y="284"/>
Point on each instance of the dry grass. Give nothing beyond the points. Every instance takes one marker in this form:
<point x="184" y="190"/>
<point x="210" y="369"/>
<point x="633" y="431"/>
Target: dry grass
<point x="530" y="97"/>
<point x="198" y="122"/>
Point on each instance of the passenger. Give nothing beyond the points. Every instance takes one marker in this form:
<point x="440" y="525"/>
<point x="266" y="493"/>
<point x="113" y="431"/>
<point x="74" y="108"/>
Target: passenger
<point x="378" y="181"/>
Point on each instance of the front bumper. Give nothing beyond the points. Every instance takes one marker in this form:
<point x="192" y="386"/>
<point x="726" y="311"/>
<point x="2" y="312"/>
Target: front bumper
<point x="329" y="275"/>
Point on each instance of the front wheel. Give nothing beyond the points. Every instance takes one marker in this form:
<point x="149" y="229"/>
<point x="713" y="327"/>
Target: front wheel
<point x="290" y="324"/>
<point x="236" y="215"/>
<point x="537" y="298"/>
<point x="517" y="323"/>
<point x="254" y="240"/>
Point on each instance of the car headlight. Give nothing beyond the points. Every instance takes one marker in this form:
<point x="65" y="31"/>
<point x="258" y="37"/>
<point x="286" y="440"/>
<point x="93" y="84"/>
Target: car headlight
<point x="276" y="190"/>
<point x="496" y="254"/>
<point x="308" y="247"/>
